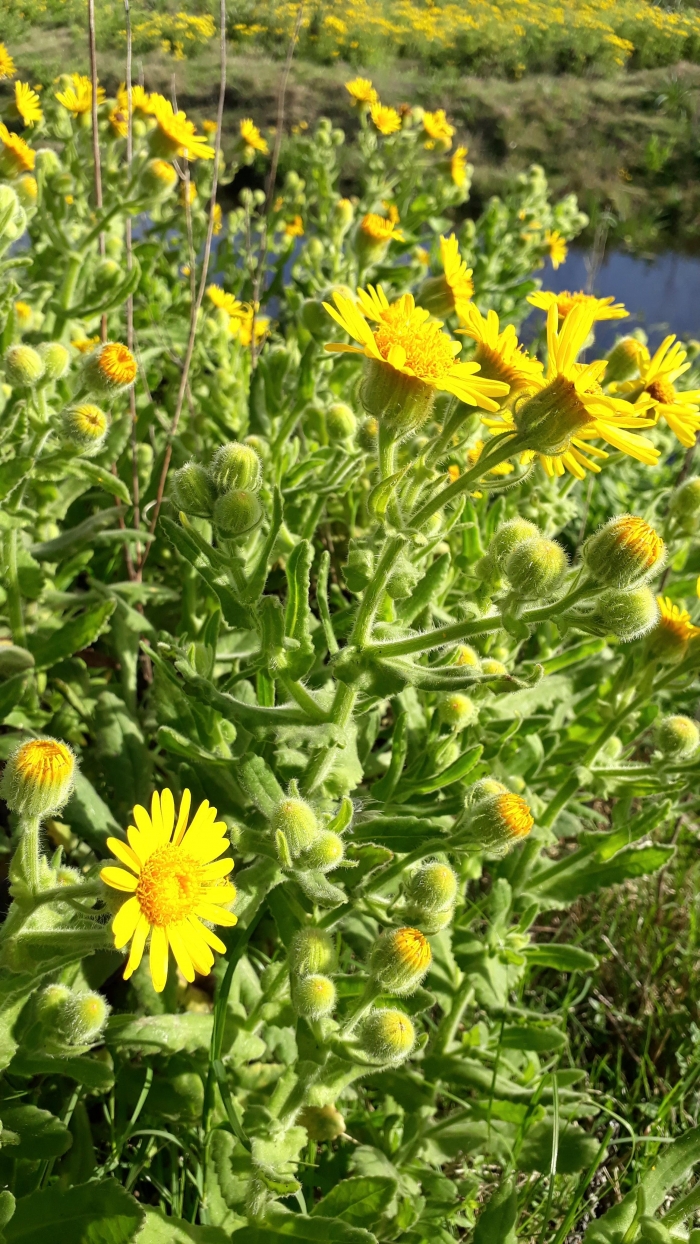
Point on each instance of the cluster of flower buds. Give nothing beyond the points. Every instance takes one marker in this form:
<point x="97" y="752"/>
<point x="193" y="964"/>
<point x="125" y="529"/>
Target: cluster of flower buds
<point x="68" y="1018"/>
<point x="430" y="895"/>
<point x="534" y="566"/>
<point x="311" y="957"/>
<point x="300" y="840"/>
<point x="226" y="492"/>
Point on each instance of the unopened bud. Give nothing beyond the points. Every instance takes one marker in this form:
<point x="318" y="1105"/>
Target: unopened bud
<point x="27" y="190"/>
<point x="322" y="1122"/>
<point x="508" y="537"/>
<point x="623" y="360"/>
<point x="38" y="778"/>
<point x="13" y="219"/>
<point x="324" y="854"/>
<point x="485" y="788"/>
<point x="313" y="996"/>
<point x="456" y="710"/>
<point x="24" y="366"/>
<point x="400" y="402"/>
<point x="387" y="1035"/>
<point x="368" y="435"/>
<point x="84" y="1017"/>
<point x="158" y="180"/>
<point x="296" y="819"/>
<point x="400" y="960"/>
<point x="340" y="421"/>
<point x="536" y="568"/>
<point x="236" y="466"/>
<point x="107" y="274"/>
<point x="493" y="668"/>
<point x="628" y="614"/>
<point x="51" y="1004"/>
<point x="110" y="369"/>
<point x="624" y="551"/>
<point x="402" y="579"/>
<point x="433" y="887"/>
<point x="194" y="491"/>
<point x="341" y="219"/>
<point x="85" y="426"/>
<point x="677" y="737"/>
<point x="237" y="512"/>
<point x="47" y="162"/>
<point x="498" y="822"/>
<point x="312" y="951"/>
<point x="466" y="655"/>
<point x="56" y="359"/>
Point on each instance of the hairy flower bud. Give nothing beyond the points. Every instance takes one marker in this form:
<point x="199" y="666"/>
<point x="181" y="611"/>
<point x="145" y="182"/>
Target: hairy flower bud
<point x="368" y="434"/>
<point x="628" y="614"/>
<point x="508" y="537"/>
<point x="485" y="788"/>
<point x="497" y="822"/>
<point x="84" y="1017"/>
<point x="38" y="778"/>
<point x="536" y="568"/>
<point x="677" y="737"/>
<point x="56" y="359"/>
<point x="625" y="551"/>
<point x="193" y="490"/>
<point x="313" y="996"/>
<point x="623" y="360"/>
<point x="400" y="402"/>
<point x="23" y="365"/>
<point x="456" y="710"/>
<point x="432" y="888"/>
<point x="236" y="466"/>
<point x="296" y="819"/>
<point x="340" y="421"/>
<point x="51" y="1005"/>
<point x="341" y="218"/>
<point x="237" y="512"/>
<point x="312" y="951"/>
<point x="322" y="1122"/>
<point x="464" y="654"/>
<point x="324" y="854"/>
<point x="85" y="426"/>
<point x="158" y="180"/>
<point x="400" y="960"/>
<point x="387" y="1035"/>
<point x="109" y="369"/>
<point x="496" y="669"/>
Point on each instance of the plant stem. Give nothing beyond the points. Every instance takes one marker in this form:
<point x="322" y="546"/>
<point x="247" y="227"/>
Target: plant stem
<point x="14" y="596"/>
<point x="506" y="445"/>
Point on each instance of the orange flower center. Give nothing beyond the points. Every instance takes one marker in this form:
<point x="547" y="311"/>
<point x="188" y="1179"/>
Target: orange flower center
<point x="429" y="353"/>
<point x="662" y="391"/>
<point x="169" y="887"/>
<point x="118" y="363"/>
<point x="516" y="815"/>
<point x="641" y="540"/>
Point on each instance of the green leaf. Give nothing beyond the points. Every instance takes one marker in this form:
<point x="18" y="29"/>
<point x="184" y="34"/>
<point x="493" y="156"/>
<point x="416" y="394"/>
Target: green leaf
<point x="563" y="958"/>
<point x="398" y="833"/>
<point x="453" y="773"/>
<point x="75" y="538"/>
<point x="72" y="637"/>
<point x="671" y="1167"/>
<point x="525" y="1037"/>
<point x="496" y="1223"/>
<point x="88" y="815"/>
<point x="314" y="1230"/>
<point x="576" y="1151"/>
<point x="11" y="473"/>
<point x="151" y="1033"/>
<point x="88" y="1071"/>
<point x="92" y="1213"/>
<point x="101" y="477"/>
<point x="40" y="1134"/>
<point x="159" y="1229"/>
<point x="566" y="886"/>
<point x="360" y="1200"/>
<point x="11" y="693"/>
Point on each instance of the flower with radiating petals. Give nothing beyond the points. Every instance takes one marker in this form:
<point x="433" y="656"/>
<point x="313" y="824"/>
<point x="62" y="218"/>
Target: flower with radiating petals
<point x="16" y="156"/>
<point x="564" y="301"/>
<point x="658" y="374"/>
<point x="362" y="91"/>
<point x="458" y="166"/>
<point x="386" y="119"/>
<point x="78" y="97"/>
<point x="7" y="65"/>
<point x="174" y="135"/>
<point x="556" y="245"/>
<point x="499" y="353"/>
<point x="252" y="137"/>
<point x="27" y="104"/>
<point x="438" y="128"/>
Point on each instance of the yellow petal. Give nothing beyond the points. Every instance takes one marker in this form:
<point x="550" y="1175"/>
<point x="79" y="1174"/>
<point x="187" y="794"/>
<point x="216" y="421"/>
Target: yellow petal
<point x="197" y="948"/>
<point x="183" y="817"/>
<point x="137" y="947"/>
<point x="209" y="936"/>
<point x="180" y="952"/>
<point x="139" y="843"/>
<point x="220" y="868"/>
<point x="125" y="921"/>
<point x="223" y="894"/>
<point x="119" y="879"/>
<point x="145" y="827"/>
<point x="167" y="812"/>
<point x="159" y="958"/>
<point x="124" y="854"/>
<point x="216" y="915"/>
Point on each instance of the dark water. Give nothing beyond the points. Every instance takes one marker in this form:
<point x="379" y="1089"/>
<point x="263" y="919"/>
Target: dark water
<point x="662" y="295"/>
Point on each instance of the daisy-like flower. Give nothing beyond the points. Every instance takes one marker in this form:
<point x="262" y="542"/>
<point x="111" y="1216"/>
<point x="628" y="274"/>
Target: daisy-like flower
<point x="658" y="374"/>
<point x="386" y="119"/>
<point x="669" y="640"/>
<point x="243" y="327"/>
<point x="380" y="228"/>
<point x="16" y="156"/>
<point x="110" y="368"/>
<point x="252" y="137"/>
<point x="556" y="245"/>
<point x="176" y="882"/>
<point x="294" y="228"/>
<point x="7" y="65"/>
<point x="86" y="344"/>
<point x="119" y="121"/>
<point x="409" y="359"/>
<point x="362" y="91"/>
<point x="140" y="100"/>
<point x="453" y="291"/>
<point x="174" y="135"/>
<point x="499" y="354"/>
<point x="77" y="98"/>
<point x="569" y="408"/>
<point x="438" y="129"/>
<point x="226" y="302"/>
<point x="27" y="104"/>
<point x="604" y="308"/>
<point x="458" y="166"/>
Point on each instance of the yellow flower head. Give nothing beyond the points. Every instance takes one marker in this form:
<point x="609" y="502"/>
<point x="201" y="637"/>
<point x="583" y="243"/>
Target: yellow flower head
<point x="226" y="302"/>
<point x="556" y="246"/>
<point x="209" y="127"/>
<point x="174" y="134"/>
<point x="362" y="91"/>
<point x="88" y="423"/>
<point x="515" y="814"/>
<point x="500" y="355"/>
<point x="243" y="327"/>
<point x="603" y="308"/>
<point x="218" y="219"/>
<point x="387" y="120"/>
<point x="378" y="229"/>
<point x="86" y="344"/>
<point x="27" y="104"/>
<point x="38" y="777"/>
<point x="458" y="166"/>
<point x="407" y="340"/>
<point x="140" y="100"/>
<point x="7" y="65"/>
<point x="252" y="137"/>
<point x="438" y="128"/>
<point x="23" y="314"/>
<point x="674" y="629"/>
<point x="458" y="276"/>
<point x="176" y="881"/>
<point x="119" y="121"/>
<point x="116" y="365"/>
<point x="16" y="156"/>
<point x="78" y="97"/>
<point x="294" y="228"/>
<point x="658" y="374"/>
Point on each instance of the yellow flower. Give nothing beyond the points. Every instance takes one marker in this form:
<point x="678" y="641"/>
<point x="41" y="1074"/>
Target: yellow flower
<point x="294" y="228"/>
<point x="209" y="127"/>
<point x="7" y="65"/>
<point x="242" y="327"/>
<point x="119" y="121"/>
<point x="226" y="302"/>
<point x="252" y="137"/>
<point x="174" y="134"/>
<point x="458" y="276"/>
<point x="362" y="91"/>
<point x="675" y="621"/>
<point x="604" y="308"/>
<point x="438" y="128"/>
<point x="176" y="881"/>
<point x="409" y="342"/>
<point x="117" y="364"/>
<point x="387" y="120"/>
<point x="27" y="104"/>
<point x="23" y="314"/>
<point x="556" y="244"/>
<point x="218" y="219"/>
<point x="140" y="100"/>
<point x="378" y="229"/>
<point x="86" y="344"/>
<point x="499" y="354"/>
<point x="78" y="97"/>
<point x="657" y="381"/>
<point x="16" y="156"/>
<point x="458" y="166"/>
<point x="515" y="814"/>
<point x="38" y="777"/>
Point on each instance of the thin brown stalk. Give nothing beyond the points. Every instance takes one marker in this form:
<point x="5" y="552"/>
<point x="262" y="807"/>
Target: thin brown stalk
<point x="133" y="574"/>
<point x="272" y="178"/>
<point x="97" y="166"/>
<point x="196" y="305"/>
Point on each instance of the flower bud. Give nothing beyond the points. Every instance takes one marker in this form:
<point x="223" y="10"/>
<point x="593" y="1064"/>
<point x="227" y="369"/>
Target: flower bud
<point x="387" y="1035"/>
<point x="193" y="490"/>
<point x="85" y="426"/>
<point x="27" y="190"/>
<point x="322" y="1122"/>
<point x="47" y="162"/>
<point x="623" y="360"/>
<point x="464" y="654"/>
<point x="158" y="180"/>
<point x="237" y="512"/>
<point x="340" y="422"/>
<point x="38" y="778"/>
<point x="24" y="366"/>
<point x="432" y="888"/>
<point x="624" y="551"/>
<point x="110" y="369"/>
<point x="508" y="537"/>
<point x="628" y="614"/>
<point x="314" y="996"/>
<point x="400" y="402"/>
<point x="56" y="359"/>
<point x="106" y="275"/>
<point x="677" y="737"/>
<point x="368" y="435"/>
<point x="341" y="218"/>
<point x="402" y="579"/>
<point x="236" y="466"/>
<point x="325" y="853"/>
<point x="684" y="506"/>
<point x="312" y="951"/>
<point x="496" y="669"/>
<point x="51" y="1005"/>
<point x="296" y="819"/>
<point x="536" y="568"/>
<point x="84" y="1017"/>
<point x="456" y="710"/>
<point x="13" y="219"/>
<point x="485" y="788"/>
<point x="359" y="568"/>
<point x="400" y="960"/>
<point x="496" y="823"/>
<point x="13" y="659"/>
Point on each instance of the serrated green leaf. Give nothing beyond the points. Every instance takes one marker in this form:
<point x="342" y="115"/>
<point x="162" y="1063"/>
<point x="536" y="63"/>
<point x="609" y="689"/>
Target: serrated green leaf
<point x="101" y="477"/>
<point x="11" y="473"/>
<point x="72" y="637"/>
